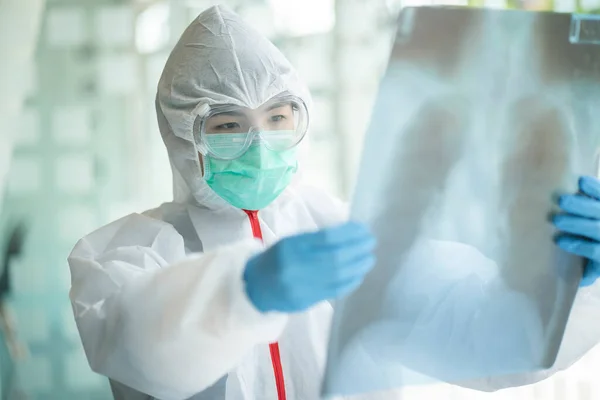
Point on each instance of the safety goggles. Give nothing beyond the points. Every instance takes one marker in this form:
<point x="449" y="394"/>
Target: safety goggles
<point x="227" y="131"/>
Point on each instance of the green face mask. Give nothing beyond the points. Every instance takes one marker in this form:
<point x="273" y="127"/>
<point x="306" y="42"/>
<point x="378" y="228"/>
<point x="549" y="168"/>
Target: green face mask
<point x="255" y="179"/>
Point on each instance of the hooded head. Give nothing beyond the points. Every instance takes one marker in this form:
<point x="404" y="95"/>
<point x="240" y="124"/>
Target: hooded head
<point x="218" y="60"/>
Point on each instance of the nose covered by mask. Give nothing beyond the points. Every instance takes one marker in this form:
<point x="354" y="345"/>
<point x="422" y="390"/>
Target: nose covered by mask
<point x="253" y="180"/>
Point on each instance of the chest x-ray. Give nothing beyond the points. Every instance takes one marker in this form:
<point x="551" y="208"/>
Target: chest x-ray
<point x="483" y="117"/>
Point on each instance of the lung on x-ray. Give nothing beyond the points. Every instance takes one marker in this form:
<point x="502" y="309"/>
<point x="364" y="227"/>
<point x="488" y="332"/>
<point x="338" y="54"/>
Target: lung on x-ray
<point x="482" y="117"/>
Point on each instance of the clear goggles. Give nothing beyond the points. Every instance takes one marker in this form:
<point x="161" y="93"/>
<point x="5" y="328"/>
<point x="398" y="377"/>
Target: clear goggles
<point x="227" y="131"/>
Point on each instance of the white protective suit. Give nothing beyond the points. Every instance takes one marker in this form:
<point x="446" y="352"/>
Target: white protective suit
<point x="158" y="297"/>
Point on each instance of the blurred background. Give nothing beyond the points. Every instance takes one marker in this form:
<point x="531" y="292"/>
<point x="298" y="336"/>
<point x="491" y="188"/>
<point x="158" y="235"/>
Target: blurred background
<point x="79" y="146"/>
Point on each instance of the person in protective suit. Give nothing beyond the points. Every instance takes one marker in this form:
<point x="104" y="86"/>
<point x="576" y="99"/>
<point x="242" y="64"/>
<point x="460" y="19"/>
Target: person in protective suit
<point x="222" y="293"/>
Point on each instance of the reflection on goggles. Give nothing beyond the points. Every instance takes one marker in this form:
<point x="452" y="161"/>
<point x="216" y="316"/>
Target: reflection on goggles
<point x="287" y="137"/>
<point x="230" y="145"/>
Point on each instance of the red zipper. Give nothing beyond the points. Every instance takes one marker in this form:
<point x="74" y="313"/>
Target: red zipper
<point x="273" y="347"/>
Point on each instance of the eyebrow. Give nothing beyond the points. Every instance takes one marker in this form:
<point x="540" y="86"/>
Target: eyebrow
<point x="278" y="105"/>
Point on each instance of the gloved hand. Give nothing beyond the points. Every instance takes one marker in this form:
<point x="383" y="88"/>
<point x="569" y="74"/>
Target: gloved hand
<point x="300" y="271"/>
<point x="580" y="226"/>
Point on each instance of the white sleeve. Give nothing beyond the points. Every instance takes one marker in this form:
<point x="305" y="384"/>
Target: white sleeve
<point x="582" y="334"/>
<point x="455" y="311"/>
<point x="325" y="209"/>
<point x="582" y="331"/>
<point x="163" y="323"/>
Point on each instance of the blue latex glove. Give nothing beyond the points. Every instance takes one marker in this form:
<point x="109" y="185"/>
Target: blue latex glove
<point x="300" y="271"/>
<point x="580" y="226"/>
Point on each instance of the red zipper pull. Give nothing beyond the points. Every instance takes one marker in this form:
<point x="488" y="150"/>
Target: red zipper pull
<point x="273" y="347"/>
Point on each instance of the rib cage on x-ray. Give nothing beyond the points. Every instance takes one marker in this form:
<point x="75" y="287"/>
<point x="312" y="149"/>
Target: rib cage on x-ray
<point x="482" y="118"/>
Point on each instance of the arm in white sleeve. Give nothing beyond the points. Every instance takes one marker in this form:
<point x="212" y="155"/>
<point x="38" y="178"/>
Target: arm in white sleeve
<point x="325" y="209"/>
<point x="498" y="304"/>
<point x="582" y="334"/>
<point x="163" y="323"/>
<point x="469" y="324"/>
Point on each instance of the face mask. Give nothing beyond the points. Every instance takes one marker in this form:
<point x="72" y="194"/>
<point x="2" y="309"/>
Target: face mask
<point x="255" y="179"/>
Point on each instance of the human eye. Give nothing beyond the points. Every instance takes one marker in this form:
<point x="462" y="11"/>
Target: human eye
<point x="228" y="126"/>
<point x="278" y="118"/>
<point x="225" y="125"/>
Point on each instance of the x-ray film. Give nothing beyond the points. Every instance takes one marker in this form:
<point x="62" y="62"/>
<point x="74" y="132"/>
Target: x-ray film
<point x="483" y="117"/>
